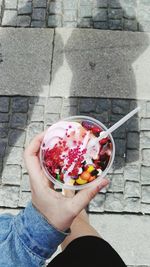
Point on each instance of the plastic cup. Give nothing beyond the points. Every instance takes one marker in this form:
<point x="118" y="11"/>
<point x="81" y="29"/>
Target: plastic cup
<point x="103" y="174"/>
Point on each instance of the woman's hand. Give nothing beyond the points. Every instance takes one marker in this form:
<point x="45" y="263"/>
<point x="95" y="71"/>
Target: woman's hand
<point x="56" y="208"/>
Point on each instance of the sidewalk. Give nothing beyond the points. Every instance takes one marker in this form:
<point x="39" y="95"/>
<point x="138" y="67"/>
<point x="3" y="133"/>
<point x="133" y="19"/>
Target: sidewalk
<point x="48" y="74"/>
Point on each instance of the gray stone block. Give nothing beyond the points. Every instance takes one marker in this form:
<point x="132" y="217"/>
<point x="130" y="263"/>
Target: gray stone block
<point x="118" y="165"/>
<point x="87" y="105"/>
<point x="144" y="26"/>
<point x="85" y="11"/>
<point x="120" y="145"/>
<point x="25" y="184"/>
<point x="146" y="157"/>
<point x="55" y="8"/>
<point x="33" y="129"/>
<point x="132" y="189"/>
<point x="68" y="111"/>
<point x="145" y="208"/>
<point x="10" y="4"/>
<point x="100" y="3"/>
<point x="51" y="118"/>
<point x="24" y="198"/>
<point x="143" y="14"/>
<point x="145" y="124"/>
<point x="4" y="117"/>
<point x="115" y="13"/>
<point x="14" y="155"/>
<point x="145" y="175"/>
<point x="23" y="21"/>
<point x="39" y="14"/>
<point x="97" y="203"/>
<point x="16" y="138"/>
<point x="9" y="196"/>
<point x="38" y="24"/>
<point x="99" y="14"/>
<point x="85" y="2"/>
<point x="70" y="15"/>
<point x="55" y="21"/>
<point x="132" y="205"/>
<point x="54" y="105"/>
<point x="115" y="24"/>
<point x="132" y="155"/>
<point x="11" y="175"/>
<point x="133" y="140"/>
<point x="19" y="104"/>
<point x="132" y="173"/>
<point x="9" y="18"/>
<point x="85" y="22"/>
<point x="3" y="131"/>
<point x="114" y="202"/>
<point x="36" y="100"/>
<point x="70" y="24"/>
<point x="120" y="106"/>
<point x="145" y="139"/>
<point x="120" y="132"/>
<point x="39" y="3"/>
<point x="102" y="105"/>
<point x="4" y="104"/>
<point x="146" y="194"/>
<point x="2" y="148"/>
<point x="70" y="4"/>
<point x="116" y="184"/>
<point x="132" y="125"/>
<point x="129" y="12"/>
<point x="148" y="109"/>
<point x="103" y="25"/>
<point x="36" y="113"/>
<point x="24" y="7"/>
<point x="130" y="25"/>
<point x="18" y="120"/>
<point x="114" y="3"/>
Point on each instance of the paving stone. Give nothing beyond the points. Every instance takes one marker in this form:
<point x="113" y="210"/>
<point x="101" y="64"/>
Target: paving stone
<point x="97" y="203"/>
<point x="3" y="131"/>
<point x="54" y="105"/>
<point x="9" y="196"/>
<point x="145" y="175"/>
<point x="2" y="148"/>
<point x="14" y="155"/>
<point x="9" y="18"/>
<point x="51" y="118"/>
<point x="85" y="22"/>
<point x="132" y="125"/>
<point x="144" y="26"/>
<point x="115" y="13"/>
<point x="68" y="111"/>
<point x="10" y="4"/>
<point x="100" y="3"/>
<point x="146" y="194"/>
<point x="33" y="129"/>
<point x="55" y="8"/>
<point x="102" y="117"/>
<point x="115" y="24"/>
<point x="146" y="157"/>
<point x="36" y="113"/>
<point x="39" y="3"/>
<point x="71" y="101"/>
<point x="23" y="21"/>
<point x="130" y="25"/>
<point x="18" y="120"/>
<point x="11" y="175"/>
<point x="130" y="12"/>
<point x="70" y="24"/>
<point x="148" y="109"/>
<point x="70" y="4"/>
<point x="120" y="106"/>
<point x="143" y="14"/>
<point x="99" y="14"/>
<point x="55" y="21"/>
<point x="102" y="105"/>
<point x="4" y="117"/>
<point x="132" y="205"/>
<point x="132" y="155"/>
<point x="85" y="11"/>
<point x="120" y="145"/>
<point x="38" y="24"/>
<point x="36" y="100"/>
<point x="4" y="104"/>
<point x="116" y="184"/>
<point x="118" y="165"/>
<point x="145" y="124"/>
<point x="85" y="2"/>
<point x="16" y="138"/>
<point x="19" y="104"/>
<point x="70" y="15"/>
<point x="145" y="139"/>
<point x="132" y="189"/>
<point x="25" y="184"/>
<point x="132" y="173"/>
<point x="103" y="25"/>
<point x="114" y="202"/>
<point x="120" y="132"/>
<point x="145" y="208"/>
<point x="39" y="14"/>
<point x="133" y="140"/>
<point x="87" y="105"/>
<point x="24" y="7"/>
<point x="24" y="198"/>
<point x="114" y="3"/>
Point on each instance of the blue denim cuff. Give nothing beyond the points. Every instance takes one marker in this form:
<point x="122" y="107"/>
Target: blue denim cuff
<point x="36" y="234"/>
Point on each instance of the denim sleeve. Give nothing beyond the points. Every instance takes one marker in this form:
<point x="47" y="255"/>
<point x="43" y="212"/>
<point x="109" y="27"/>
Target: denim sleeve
<point x="27" y="239"/>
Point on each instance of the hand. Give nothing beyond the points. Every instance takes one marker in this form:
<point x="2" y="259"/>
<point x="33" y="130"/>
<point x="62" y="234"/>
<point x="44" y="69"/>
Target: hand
<point x="56" y="208"/>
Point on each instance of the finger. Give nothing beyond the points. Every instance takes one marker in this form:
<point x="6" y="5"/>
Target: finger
<point x="82" y="199"/>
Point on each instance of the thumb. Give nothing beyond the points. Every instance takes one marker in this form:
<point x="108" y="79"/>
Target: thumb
<point x="82" y="199"/>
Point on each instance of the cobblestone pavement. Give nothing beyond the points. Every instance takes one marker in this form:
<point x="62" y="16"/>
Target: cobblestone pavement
<point x="131" y="15"/>
<point x="22" y="117"/>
